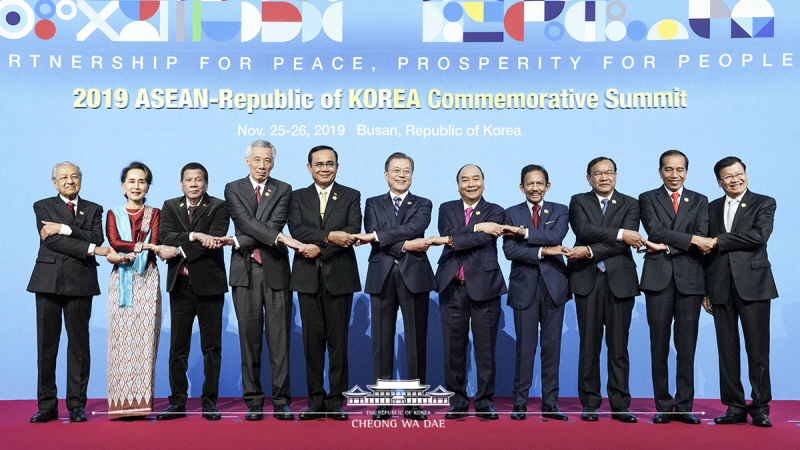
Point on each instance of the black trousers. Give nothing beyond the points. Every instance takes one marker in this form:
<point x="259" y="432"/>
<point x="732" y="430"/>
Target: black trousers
<point x="184" y="306"/>
<point x="602" y="310"/>
<point x="259" y="310"/>
<point x="459" y="314"/>
<point x="541" y="312"/>
<point x="76" y="312"/>
<point x="326" y="319"/>
<point x="671" y="309"/>
<point x="383" y="311"/>
<point x="754" y="316"/>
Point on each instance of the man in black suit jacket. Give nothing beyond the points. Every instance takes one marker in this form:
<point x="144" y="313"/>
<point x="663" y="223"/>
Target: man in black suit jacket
<point x="604" y="281"/>
<point x="325" y="216"/>
<point x="537" y="287"/>
<point x="64" y="280"/>
<point x="399" y="275"/>
<point x="470" y="283"/>
<point x="196" y="283"/>
<point x="259" y="205"/>
<point x="673" y="281"/>
<point x="740" y="286"/>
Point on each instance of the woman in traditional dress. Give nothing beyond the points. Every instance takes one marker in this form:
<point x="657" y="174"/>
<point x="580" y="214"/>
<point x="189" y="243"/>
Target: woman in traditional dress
<point x="134" y="298"/>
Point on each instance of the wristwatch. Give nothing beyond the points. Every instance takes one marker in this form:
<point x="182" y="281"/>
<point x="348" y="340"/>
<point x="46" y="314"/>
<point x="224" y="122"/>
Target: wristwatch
<point x="177" y="251"/>
<point x="521" y="230"/>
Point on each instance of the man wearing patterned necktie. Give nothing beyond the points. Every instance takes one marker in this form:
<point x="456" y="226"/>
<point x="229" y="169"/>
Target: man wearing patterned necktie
<point x="604" y="280"/>
<point x="676" y="222"/>
<point x="470" y="283"/>
<point x="740" y="287"/>
<point x="399" y="275"/>
<point x="258" y="205"/>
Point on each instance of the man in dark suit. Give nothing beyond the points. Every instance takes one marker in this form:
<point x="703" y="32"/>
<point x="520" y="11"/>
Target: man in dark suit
<point x="196" y="283"/>
<point x="470" y="283"/>
<point x="740" y="287"/>
<point x="604" y="281"/>
<point x="259" y="206"/>
<point x="676" y="221"/>
<point x="325" y="216"/>
<point x="537" y="287"/>
<point x="399" y="275"/>
<point x="64" y="280"/>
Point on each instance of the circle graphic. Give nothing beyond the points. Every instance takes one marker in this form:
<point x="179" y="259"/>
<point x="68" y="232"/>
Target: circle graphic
<point x="51" y="9"/>
<point x="637" y="30"/>
<point x="17" y="19"/>
<point x="45" y="29"/>
<point x="554" y="31"/>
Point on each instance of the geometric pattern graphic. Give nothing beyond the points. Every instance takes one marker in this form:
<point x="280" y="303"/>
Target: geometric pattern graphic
<point x="666" y="30"/>
<point x="702" y="11"/>
<point x="752" y="19"/>
<point x="586" y="21"/>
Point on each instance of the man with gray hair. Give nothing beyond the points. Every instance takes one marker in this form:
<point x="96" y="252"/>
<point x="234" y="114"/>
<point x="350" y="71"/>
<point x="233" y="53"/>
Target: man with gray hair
<point x="64" y="280"/>
<point x="258" y="205"/>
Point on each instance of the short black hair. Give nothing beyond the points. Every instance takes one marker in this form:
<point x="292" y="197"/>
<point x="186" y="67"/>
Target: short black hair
<point x="320" y="148"/>
<point x="148" y="176"/>
<point x="534" y="168"/>
<point x="195" y="166"/>
<point x="458" y="174"/>
<point x="398" y="155"/>
<point x="597" y="160"/>
<point x="727" y="162"/>
<point x="672" y="153"/>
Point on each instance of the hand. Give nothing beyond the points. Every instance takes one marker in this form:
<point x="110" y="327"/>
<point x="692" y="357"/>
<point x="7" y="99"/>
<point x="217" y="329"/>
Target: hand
<point x="439" y="240"/>
<point x="224" y="240"/>
<point x="706" y="245"/>
<point x="115" y="258"/>
<point x="292" y="243"/>
<point x="417" y="245"/>
<point x="165" y="252"/>
<point x="49" y="229"/>
<point x="577" y="253"/>
<point x="510" y="230"/>
<point x="652" y="247"/>
<point x="364" y="238"/>
<point x="633" y="238"/>
<point x="341" y="238"/>
<point x="102" y="251"/>
<point x="495" y="229"/>
<point x="707" y="305"/>
<point x="206" y="240"/>
<point x="308" y="250"/>
<point x="555" y="250"/>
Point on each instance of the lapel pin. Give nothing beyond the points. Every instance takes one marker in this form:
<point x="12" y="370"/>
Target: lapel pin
<point x="477" y="213"/>
<point x="205" y="204"/>
<point x="546" y="211"/>
<point x="686" y="199"/>
<point x="744" y="205"/>
<point x="266" y="194"/>
<point x="81" y="212"/>
<point x="614" y="202"/>
<point x="334" y="196"/>
<point x="409" y="203"/>
<point x="182" y="205"/>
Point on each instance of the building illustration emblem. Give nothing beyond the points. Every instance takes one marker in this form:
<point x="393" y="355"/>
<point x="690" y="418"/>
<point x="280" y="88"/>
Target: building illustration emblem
<point x="398" y="392"/>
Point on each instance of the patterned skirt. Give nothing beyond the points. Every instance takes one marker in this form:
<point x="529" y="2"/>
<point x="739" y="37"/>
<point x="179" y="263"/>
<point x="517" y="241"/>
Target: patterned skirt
<point x="133" y="343"/>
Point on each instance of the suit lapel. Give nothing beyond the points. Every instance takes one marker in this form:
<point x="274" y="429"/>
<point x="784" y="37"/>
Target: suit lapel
<point x="388" y="207"/>
<point x="593" y="206"/>
<point x="80" y="212"/>
<point x="718" y="225"/>
<point x="665" y="200"/>
<point x="201" y="210"/>
<point x="333" y="198"/>
<point x="611" y="209"/>
<point x="182" y="210"/>
<point x="741" y="209"/>
<point x="544" y="215"/>
<point x="687" y="201"/>
<point x="476" y="212"/>
<point x="266" y="198"/>
<point x="407" y="204"/>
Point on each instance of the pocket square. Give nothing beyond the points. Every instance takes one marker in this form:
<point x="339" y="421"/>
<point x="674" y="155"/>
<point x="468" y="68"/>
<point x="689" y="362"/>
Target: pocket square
<point x="548" y="223"/>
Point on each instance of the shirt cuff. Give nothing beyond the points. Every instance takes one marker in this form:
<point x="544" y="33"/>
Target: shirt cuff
<point x="375" y="233"/>
<point x="191" y="237"/>
<point x="619" y="234"/>
<point x="182" y="254"/>
<point x="91" y="246"/>
<point x="591" y="254"/>
<point x="540" y="252"/>
<point x="236" y="243"/>
<point x="65" y="230"/>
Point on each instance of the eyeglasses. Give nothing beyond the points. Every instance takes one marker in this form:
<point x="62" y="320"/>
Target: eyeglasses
<point x="398" y="171"/>
<point x="328" y="164"/>
<point x="728" y="178"/>
<point x="608" y="173"/>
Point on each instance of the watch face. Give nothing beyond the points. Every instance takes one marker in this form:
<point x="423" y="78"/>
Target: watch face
<point x="177" y="251"/>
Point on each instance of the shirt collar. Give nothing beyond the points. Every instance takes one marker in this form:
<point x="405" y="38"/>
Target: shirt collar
<point x="739" y="198"/>
<point x="402" y="196"/>
<point x="320" y="189"/>
<point x="531" y="205"/>
<point x="679" y="191"/>
<point x="256" y="183"/>
<point x="66" y="200"/>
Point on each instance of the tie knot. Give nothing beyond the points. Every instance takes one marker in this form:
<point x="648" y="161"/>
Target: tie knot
<point x="537" y="208"/>
<point x="604" y="202"/>
<point x="397" y="201"/>
<point x="468" y="211"/>
<point x="675" y="196"/>
<point x="192" y="207"/>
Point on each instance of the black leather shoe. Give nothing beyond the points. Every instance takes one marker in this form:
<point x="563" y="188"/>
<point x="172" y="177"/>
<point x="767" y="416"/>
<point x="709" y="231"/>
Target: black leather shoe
<point x="589" y="414"/>
<point x="623" y="415"/>
<point x="337" y="413"/>
<point x="76" y="414"/>
<point x="282" y="412"/>
<point x="254" y="413"/>
<point x="730" y="418"/>
<point x="172" y="412"/>
<point x="45" y="415"/>
<point x="382" y="413"/>
<point x="456" y="413"/>
<point x="487" y="413"/>
<point x="761" y="420"/>
<point x="689" y="418"/>
<point x="552" y="412"/>
<point x="211" y="412"/>
<point x="312" y="413"/>
<point x="519" y="412"/>
<point x="661" y="418"/>
<point x="414" y="413"/>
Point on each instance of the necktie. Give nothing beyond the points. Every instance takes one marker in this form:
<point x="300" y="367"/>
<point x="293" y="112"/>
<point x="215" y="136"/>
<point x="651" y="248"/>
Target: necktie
<point x="323" y="201"/>
<point x="467" y="213"/>
<point x="256" y="253"/>
<point x="71" y="207"/>
<point x="601" y="265"/>
<point x="192" y="209"/>
<point x="675" y="202"/>
<point x="535" y="215"/>
<point x="732" y="204"/>
<point x="396" y="206"/>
